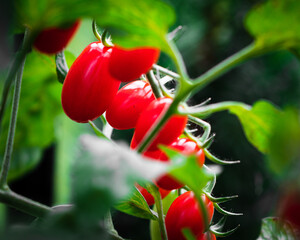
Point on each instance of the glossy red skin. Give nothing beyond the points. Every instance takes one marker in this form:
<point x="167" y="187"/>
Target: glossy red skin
<point x="184" y="212"/>
<point x="128" y="104"/>
<point x="148" y="197"/>
<point x="89" y="88"/>
<point x="168" y="133"/>
<point x="129" y="64"/>
<point x="54" y="40"/>
<point x="289" y="208"/>
<point x="205" y="236"/>
<point x="186" y="147"/>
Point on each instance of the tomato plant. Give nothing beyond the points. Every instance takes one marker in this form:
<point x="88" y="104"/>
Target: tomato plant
<point x="54" y="40"/>
<point x="129" y="64"/>
<point x="128" y="104"/>
<point x="184" y="212"/>
<point x="89" y="88"/>
<point x="172" y="112"/>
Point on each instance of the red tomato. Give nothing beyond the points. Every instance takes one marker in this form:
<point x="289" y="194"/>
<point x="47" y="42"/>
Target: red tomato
<point x="89" y="88"/>
<point x="185" y="213"/>
<point x="186" y="147"/>
<point x="169" y="132"/>
<point x="54" y="40"/>
<point x="289" y="208"/>
<point x="128" y="104"/>
<point x="129" y="64"/>
<point x="148" y="197"/>
<point x="205" y="236"/>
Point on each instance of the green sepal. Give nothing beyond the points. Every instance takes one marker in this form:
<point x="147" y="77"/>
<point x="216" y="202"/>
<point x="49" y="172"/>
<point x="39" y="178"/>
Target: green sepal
<point x="224" y="212"/>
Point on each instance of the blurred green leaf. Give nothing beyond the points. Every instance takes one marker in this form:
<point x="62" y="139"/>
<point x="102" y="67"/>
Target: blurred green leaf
<point x="131" y="23"/>
<point x="39" y="105"/>
<point x="136" y="206"/>
<point x="284" y="156"/>
<point x="105" y="173"/>
<point x="137" y="23"/>
<point x="274" y="229"/>
<point x="257" y="123"/>
<point x="197" y="177"/>
<point x="275" y="23"/>
<point x="39" y="14"/>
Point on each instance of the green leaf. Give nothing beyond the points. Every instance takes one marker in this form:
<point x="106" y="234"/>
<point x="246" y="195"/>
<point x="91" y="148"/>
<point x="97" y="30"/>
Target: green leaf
<point x="197" y="177"/>
<point x="39" y="14"/>
<point x="137" y="206"/>
<point x="137" y="23"/>
<point x="39" y="105"/>
<point x="274" y="229"/>
<point x="275" y="23"/>
<point x="284" y="155"/>
<point x="131" y="23"/>
<point x="105" y="173"/>
<point x="257" y="123"/>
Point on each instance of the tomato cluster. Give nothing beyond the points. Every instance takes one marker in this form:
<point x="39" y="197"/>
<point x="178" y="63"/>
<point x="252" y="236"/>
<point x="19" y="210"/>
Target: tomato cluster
<point x="91" y="88"/>
<point x="91" y="85"/>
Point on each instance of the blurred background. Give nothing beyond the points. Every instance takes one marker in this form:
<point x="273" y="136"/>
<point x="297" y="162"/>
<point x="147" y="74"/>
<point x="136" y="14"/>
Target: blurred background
<point x="212" y="31"/>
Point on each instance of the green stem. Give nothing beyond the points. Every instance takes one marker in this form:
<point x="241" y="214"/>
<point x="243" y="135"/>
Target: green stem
<point x="203" y="211"/>
<point x="12" y="127"/>
<point x="16" y="64"/>
<point x="24" y="204"/>
<point x="3" y="210"/>
<point x="160" y="212"/>
<point x="248" y="52"/>
<point x="154" y="84"/>
<point x="206" y="127"/>
<point x="157" y="126"/>
<point x="165" y="71"/>
<point x="207" y="110"/>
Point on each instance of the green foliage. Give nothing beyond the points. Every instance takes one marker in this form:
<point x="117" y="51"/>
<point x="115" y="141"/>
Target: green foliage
<point x="39" y="105"/>
<point x="136" y="206"/>
<point x="275" y="23"/>
<point x="137" y="23"/>
<point x="273" y="228"/>
<point x="284" y="156"/>
<point x="105" y="174"/>
<point x="257" y="123"/>
<point x="131" y="23"/>
<point x="197" y="177"/>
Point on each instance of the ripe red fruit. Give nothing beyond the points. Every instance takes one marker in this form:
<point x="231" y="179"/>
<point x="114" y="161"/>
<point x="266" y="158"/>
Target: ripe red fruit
<point x="205" y="236"/>
<point x="54" y="40"/>
<point x="89" y="88"/>
<point x="129" y="64"/>
<point x="128" y="104"/>
<point x="186" y="213"/>
<point x="148" y="197"/>
<point x="289" y="208"/>
<point x="186" y="147"/>
<point x="168" y="133"/>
